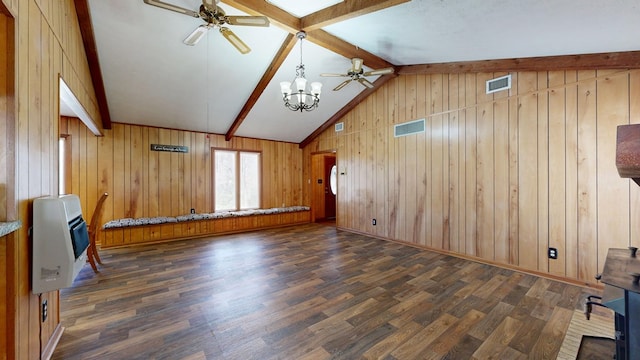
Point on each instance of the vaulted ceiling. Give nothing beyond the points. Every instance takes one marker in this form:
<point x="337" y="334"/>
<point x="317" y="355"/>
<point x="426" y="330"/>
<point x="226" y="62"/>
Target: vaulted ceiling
<point x="145" y="75"/>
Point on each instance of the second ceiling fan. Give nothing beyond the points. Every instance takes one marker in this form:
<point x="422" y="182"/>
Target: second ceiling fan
<point x="358" y="74"/>
<point x="214" y="16"/>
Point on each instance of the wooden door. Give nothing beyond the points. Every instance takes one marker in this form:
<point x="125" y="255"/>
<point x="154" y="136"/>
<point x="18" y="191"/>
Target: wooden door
<point x="329" y="195"/>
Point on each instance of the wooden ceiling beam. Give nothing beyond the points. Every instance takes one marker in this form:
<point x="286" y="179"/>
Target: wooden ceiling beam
<point x="277" y="61"/>
<point x="276" y="15"/>
<point x="341" y="47"/>
<point x="292" y="24"/>
<point x="345" y="10"/>
<point x="345" y="109"/>
<point x="615" y="60"/>
<point x="91" y="51"/>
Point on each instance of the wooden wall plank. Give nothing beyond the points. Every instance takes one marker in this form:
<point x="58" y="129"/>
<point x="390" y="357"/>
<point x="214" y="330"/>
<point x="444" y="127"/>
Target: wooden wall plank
<point x="587" y="178"/>
<point x="571" y="171"/>
<point x="514" y="196"/>
<point x="380" y="158"/>
<point x="119" y="171"/>
<point x="135" y="169"/>
<point x="528" y="172"/>
<point x="612" y="204"/>
<point x="501" y="189"/>
<point x="392" y="167"/>
<point x="420" y="232"/>
<point x="471" y="149"/>
<point x="451" y="142"/>
<point x="557" y="172"/>
<point x="485" y="171"/>
<point x="543" y="171"/>
<point x="153" y="175"/>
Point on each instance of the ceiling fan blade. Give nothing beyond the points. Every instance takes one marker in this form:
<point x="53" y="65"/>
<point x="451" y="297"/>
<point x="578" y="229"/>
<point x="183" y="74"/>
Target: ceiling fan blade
<point x="167" y="6"/>
<point x="356" y="64"/>
<point x="247" y="20"/>
<point x="334" y="75"/>
<point x="235" y="40"/>
<point x="343" y="84"/>
<point x="365" y="82"/>
<point x="379" y="72"/>
<point x="196" y="35"/>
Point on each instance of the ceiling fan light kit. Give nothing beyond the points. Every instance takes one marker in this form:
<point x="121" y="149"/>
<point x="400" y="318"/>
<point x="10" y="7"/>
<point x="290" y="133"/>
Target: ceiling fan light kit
<point x="214" y="16"/>
<point x="301" y="100"/>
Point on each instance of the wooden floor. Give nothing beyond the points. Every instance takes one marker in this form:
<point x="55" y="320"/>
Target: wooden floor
<point x="308" y="292"/>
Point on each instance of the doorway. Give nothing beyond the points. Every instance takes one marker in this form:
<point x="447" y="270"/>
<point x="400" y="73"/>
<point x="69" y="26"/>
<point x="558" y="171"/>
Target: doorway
<point x="323" y="186"/>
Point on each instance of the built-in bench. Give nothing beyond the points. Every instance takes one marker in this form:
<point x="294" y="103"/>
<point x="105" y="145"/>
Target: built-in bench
<point x="129" y="231"/>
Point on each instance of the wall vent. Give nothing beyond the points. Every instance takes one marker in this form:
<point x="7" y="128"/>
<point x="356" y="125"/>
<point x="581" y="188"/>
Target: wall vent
<point x="408" y="128"/>
<point x="499" y="84"/>
<point x="339" y="126"/>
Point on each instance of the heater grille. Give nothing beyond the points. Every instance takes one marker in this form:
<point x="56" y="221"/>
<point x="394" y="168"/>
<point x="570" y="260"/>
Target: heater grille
<point x="499" y="84"/>
<point x="408" y="128"/>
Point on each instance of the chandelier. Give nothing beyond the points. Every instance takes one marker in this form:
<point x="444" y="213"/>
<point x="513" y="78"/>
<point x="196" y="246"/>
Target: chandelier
<point x="301" y="99"/>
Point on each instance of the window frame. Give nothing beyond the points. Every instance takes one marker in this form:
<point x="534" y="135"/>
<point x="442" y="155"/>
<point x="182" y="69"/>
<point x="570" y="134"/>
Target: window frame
<point x="237" y="181"/>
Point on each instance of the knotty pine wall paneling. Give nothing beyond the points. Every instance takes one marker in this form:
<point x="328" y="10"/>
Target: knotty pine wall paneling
<point x="48" y="45"/>
<point x="498" y="177"/>
<point x="145" y="183"/>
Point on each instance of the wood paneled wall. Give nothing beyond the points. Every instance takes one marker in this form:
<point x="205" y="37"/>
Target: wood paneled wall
<point x="48" y="45"/>
<point x="146" y="183"/>
<point x="499" y="177"/>
<point x="7" y="115"/>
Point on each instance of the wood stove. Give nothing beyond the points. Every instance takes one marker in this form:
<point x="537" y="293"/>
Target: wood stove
<point x="621" y="272"/>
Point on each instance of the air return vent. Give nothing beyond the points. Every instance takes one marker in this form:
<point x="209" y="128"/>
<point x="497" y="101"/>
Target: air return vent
<point x="408" y="128"/>
<point x="339" y="126"/>
<point x="499" y="84"/>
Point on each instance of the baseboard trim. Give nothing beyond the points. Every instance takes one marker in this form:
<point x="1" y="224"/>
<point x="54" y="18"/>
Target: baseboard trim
<point x="48" y="350"/>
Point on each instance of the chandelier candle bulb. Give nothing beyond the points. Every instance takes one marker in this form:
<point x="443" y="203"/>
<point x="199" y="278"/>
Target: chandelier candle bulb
<point x="316" y="88"/>
<point x="285" y="88"/>
<point x="301" y="84"/>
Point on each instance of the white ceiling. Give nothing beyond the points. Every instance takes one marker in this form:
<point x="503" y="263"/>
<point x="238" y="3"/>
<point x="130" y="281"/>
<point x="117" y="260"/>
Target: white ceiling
<point x="152" y="78"/>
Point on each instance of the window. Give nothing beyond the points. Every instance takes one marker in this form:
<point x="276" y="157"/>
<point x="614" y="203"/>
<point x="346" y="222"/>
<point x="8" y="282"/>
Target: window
<point x="236" y="179"/>
<point x="64" y="165"/>
<point x="62" y="144"/>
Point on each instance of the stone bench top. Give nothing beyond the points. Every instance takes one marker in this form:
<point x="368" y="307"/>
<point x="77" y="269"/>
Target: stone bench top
<point x="128" y="222"/>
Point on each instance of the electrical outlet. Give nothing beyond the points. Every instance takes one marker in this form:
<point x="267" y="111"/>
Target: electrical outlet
<point x="45" y="310"/>
<point x="193" y="211"/>
<point x="373" y="222"/>
<point x="553" y="253"/>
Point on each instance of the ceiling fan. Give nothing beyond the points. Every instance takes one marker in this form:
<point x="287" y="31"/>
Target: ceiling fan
<point x="214" y="16"/>
<point x="358" y="74"/>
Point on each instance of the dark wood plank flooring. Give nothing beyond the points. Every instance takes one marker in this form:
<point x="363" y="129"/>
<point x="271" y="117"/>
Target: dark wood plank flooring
<point x="308" y="292"/>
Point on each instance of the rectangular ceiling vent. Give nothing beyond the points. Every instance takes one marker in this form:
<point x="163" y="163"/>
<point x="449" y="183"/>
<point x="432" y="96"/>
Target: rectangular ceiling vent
<point x="499" y="84"/>
<point x="339" y="127"/>
<point x="408" y="128"/>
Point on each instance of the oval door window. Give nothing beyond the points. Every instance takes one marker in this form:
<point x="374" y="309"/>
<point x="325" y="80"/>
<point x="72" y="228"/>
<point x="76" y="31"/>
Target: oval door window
<point x="333" y="180"/>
